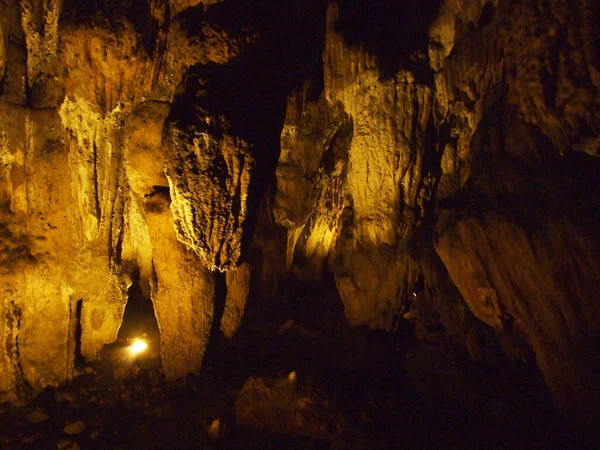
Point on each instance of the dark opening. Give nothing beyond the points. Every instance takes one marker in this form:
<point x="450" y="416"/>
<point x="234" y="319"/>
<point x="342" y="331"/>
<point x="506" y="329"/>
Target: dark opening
<point x="139" y="320"/>
<point x="79" y="359"/>
<point x="216" y="335"/>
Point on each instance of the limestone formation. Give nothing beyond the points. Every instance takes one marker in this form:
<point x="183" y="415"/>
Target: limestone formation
<point x="82" y="107"/>
<point x="40" y="26"/>
<point x="438" y="158"/>
<point x="238" y="289"/>
<point x="371" y="189"/>
<point x="209" y="170"/>
<point x="310" y="180"/>
<point x="183" y="295"/>
<point x="447" y="154"/>
<point x="533" y="296"/>
<point x="2" y="55"/>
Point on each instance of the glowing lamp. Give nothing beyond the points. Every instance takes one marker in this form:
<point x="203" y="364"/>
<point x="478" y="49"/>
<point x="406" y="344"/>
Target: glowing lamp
<point x="138" y="346"/>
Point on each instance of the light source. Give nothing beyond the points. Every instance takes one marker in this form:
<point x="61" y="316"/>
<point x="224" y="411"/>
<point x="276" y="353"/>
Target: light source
<point x="138" y="346"/>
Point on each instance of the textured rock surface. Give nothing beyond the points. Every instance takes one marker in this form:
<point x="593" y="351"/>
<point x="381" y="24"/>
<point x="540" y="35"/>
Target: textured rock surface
<point x="517" y="261"/>
<point x="280" y="405"/>
<point x="238" y="288"/>
<point x="310" y="196"/>
<point x="2" y="55"/>
<point x="74" y="183"/>
<point x="484" y="147"/>
<point x="209" y="170"/>
<point x="528" y="287"/>
<point x="183" y="295"/>
<point x="357" y="156"/>
<point x="439" y="158"/>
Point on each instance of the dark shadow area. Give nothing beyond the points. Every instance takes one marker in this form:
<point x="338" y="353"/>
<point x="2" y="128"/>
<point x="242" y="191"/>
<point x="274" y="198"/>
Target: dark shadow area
<point x="79" y="361"/>
<point x="394" y="31"/>
<point x="521" y="176"/>
<point x="216" y="335"/>
<point x="487" y="14"/>
<point x="391" y="392"/>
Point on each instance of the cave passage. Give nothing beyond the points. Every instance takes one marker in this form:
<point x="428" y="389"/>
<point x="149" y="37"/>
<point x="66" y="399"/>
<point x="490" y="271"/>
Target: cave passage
<point x="139" y="320"/>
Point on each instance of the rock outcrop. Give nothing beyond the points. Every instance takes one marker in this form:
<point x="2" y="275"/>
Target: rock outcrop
<point x="363" y="161"/>
<point x="84" y="198"/>
<point x="479" y="142"/>
<point x="209" y="170"/>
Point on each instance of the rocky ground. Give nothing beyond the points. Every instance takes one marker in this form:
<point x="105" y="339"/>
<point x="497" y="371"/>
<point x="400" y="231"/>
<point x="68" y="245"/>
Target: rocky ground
<point x="301" y="379"/>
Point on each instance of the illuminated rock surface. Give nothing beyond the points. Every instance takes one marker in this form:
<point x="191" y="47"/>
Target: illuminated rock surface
<point x="78" y="184"/>
<point x="209" y="172"/>
<point x="489" y="124"/>
<point x="438" y="160"/>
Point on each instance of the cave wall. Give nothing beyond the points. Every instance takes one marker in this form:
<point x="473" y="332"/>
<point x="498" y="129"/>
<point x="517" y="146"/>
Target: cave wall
<point x="466" y="162"/>
<point x="440" y="158"/>
<point x="84" y="198"/>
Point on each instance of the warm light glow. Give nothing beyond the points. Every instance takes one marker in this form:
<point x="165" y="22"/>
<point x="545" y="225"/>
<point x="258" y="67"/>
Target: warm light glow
<point x="138" y="346"/>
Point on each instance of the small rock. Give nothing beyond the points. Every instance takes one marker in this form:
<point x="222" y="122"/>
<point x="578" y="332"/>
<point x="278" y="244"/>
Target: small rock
<point x="89" y="370"/>
<point x="65" y="444"/>
<point x="74" y="428"/>
<point x="280" y="405"/>
<point x="65" y="397"/>
<point x="159" y="412"/>
<point x="214" y="430"/>
<point x="30" y="439"/>
<point x="95" y="434"/>
<point x="38" y="416"/>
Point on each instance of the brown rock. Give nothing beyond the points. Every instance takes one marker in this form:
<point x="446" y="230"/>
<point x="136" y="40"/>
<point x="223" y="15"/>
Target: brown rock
<point x="74" y="176"/>
<point x="513" y="281"/>
<point x="280" y="406"/>
<point x="65" y="444"/>
<point x="215" y="429"/>
<point x="183" y="293"/>
<point x="28" y="440"/>
<point x="380" y="130"/>
<point x="2" y="55"/>
<point x="38" y="416"/>
<point x="65" y="397"/>
<point x="209" y="170"/>
<point x="238" y="288"/>
<point x="74" y="427"/>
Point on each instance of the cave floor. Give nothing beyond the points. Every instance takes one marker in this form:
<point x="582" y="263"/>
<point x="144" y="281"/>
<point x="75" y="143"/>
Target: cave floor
<point x="390" y="392"/>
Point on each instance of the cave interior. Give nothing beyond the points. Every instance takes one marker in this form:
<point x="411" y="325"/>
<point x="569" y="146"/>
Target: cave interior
<point x="307" y="224"/>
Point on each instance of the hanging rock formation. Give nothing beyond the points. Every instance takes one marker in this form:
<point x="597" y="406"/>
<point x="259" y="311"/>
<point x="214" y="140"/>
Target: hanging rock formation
<point x="209" y="171"/>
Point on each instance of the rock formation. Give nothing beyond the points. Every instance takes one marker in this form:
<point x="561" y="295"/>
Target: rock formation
<point x="478" y="148"/>
<point x="85" y="199"/>
<point x="439" y="158"/>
